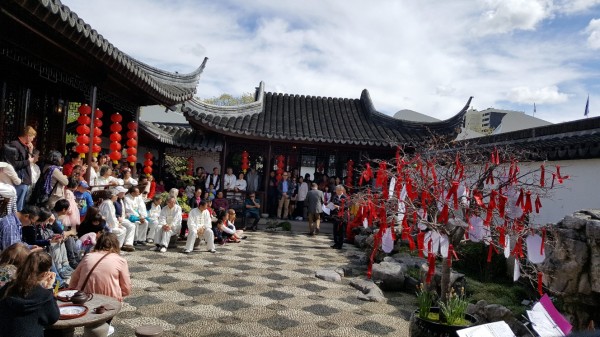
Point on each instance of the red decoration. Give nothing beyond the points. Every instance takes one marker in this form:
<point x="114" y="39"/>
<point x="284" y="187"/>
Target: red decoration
<point x="280" y="164"/>
<point x="131" y="143"/>
<point x="96" y="141"/>
<point x="190" y="166"/>
<point x="349" y="172"/>
<point x="148" y="163"/>
<point x="83" y="130"/>
<point x="245" y="161"/>
<point x="115" y="137"/>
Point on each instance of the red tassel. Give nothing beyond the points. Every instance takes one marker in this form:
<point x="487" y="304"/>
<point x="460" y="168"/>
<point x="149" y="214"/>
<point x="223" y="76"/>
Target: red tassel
<point x="490" y="249"/>
<point x="411" y="243"/>
<point x="421" y="243"/>
<point x="542" y="175"/>
<point x="366" y="175"/>
<point x="497" y="162"/>
<point x="478" y="195"/>
<point x="443" y="217"/>
<point x="502" y="199"/>
<point x="517" y="252"/>
<point x="451" y="253"/>
<point x="543" y="241"/>
<point x="453" y="193"/>
<point x="538" y="204"/>
<point x="540" y="278"/>
<point x="520" y="199"/>
<point x="528" y="206"/>
<point x="502" y="239"/>
<point x="559" y="177"/>
<point x="431" y="271"/>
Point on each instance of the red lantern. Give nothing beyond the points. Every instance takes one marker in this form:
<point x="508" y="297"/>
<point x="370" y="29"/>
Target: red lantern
<point x="115" y="137"/>
<point x="98" y="114"/>
<point x="114" y="146"/>
<point x="97" y="140"/>
<point x="190" y="166"/>
<point x="84" y="109"/>
<point x="83" y="130"/>
<point x="97" y="131"/>
<point x="280" y="165"/>
<point x="131" y="142"/>
<point x="245" y="161"/>
<point x="116" y="118"/>
<point x="96" y="149"/>
<point x="148" y="163"/>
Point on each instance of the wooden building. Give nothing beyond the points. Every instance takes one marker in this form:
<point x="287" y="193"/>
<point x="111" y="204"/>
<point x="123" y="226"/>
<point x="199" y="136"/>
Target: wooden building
<point x="50" y="57"/>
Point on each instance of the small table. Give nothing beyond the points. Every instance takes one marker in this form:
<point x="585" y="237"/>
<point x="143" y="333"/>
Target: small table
<point x="91" y="320"/>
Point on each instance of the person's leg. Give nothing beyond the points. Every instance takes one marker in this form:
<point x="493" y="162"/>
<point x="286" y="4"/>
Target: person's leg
<point x="72" y="252"/>
<point x="152" y="229"/>
<point x="256" y="220"/>
<point x="280" y="206"/>
<point x="141" y="231"/>
<point x="191" y="238"/>
<point x="121" y="233"/>
<point x="209" y="237"/>
<point x="21" y="194"/>
<point x="311" y="223"/>
<point x="130" y="232"/>
<point x="317" y="223"/>
<point x="184" y="228"/>
<point x="336" y="239"/>
<point x="286" y="207"/>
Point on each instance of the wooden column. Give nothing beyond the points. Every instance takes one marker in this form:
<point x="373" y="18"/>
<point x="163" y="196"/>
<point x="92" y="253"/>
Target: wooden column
<point x="93" y="98"/>
<point x="224" y="154"/>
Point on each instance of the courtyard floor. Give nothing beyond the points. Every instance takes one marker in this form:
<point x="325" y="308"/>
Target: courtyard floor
<point x="264" y="286"/>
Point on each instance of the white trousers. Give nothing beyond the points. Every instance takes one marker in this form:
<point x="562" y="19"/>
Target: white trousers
<point x="153" y="228"/>
<point x="162" y="237"/>
<point x="141" y="230"/>
<point x="208" y="236"/>
<point x="126" y="233"/>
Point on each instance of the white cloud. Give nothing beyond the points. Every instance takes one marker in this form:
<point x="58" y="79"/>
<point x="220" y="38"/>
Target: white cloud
<point x="593" y="29"/>
<point x="575" y="6"/>
<point x="503" y="16"/>
<point x="420" y="55"/>
<point x="546" y="95"/>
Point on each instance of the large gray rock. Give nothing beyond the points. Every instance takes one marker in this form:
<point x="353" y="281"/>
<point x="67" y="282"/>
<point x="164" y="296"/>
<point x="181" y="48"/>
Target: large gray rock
<point x="328" y="275"/>
<point x="487" y="313"/>
<point x="575" y="221"/>
<point x="368" y="290"/>
<point x="592" y="230"/>
<point x="389" y="274"/>
<point x="409" y="260"/>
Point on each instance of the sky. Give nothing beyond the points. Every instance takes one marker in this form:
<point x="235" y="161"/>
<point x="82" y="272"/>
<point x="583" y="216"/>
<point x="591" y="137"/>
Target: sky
<point x="428" y="56"/>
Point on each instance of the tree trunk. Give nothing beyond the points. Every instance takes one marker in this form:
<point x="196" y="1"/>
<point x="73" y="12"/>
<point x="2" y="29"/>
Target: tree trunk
<point x="445" y="286"/>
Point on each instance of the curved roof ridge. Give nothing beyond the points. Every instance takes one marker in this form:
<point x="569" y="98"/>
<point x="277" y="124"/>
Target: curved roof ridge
<point x="452" y="122"/>
<point x="168" y="87"/>
<point x="199" y="107"/>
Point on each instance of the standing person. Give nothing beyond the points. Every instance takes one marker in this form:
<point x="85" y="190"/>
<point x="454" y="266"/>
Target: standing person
<point x="55" y="180"/>
<point x="272" y="195"/>
<point x="214" y="179"/>
<point x="252" y="205"/>
<point x="22" y="162"/>
<point x="253" y="181"/>
<point x="105" y="272"/>
<point x="27" y="304"/>
<point x="314" y="202"/>
<point x="284" y="190"/>
<point x="300" y="198"/>
<point x="8" y="180"/>
<point x="169" y="223"/>
<point x="338" y="219"/>
<point x="199" y="223"/>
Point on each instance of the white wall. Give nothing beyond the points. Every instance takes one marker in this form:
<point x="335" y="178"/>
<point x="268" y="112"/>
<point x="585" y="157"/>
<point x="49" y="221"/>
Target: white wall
<point x="580" y="191"/>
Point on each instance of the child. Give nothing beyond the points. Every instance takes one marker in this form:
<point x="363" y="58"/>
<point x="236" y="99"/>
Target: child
<point x="212" y="192"/>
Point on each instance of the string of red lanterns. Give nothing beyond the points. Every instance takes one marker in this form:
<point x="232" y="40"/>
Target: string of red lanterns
<point x="280" y="164"/>
<point x="245" y="161"/>
<point x="83" y="130"/>
<point x="148" y="163"/>
<point x="132" y="143"/>
<point x="96" y="141"/>
<point x="349" y="172"/>
<point x="115" y="137"/>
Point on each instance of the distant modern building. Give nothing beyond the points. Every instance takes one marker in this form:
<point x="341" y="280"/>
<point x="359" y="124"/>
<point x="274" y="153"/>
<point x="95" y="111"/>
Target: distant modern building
<point x="496" y="121"/>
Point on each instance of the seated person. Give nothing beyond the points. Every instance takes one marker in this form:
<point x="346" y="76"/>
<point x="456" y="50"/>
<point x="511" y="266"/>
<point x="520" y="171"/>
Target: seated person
<point x="200" y="225"/>
<point x="27" y="304"/>
<point x="220" y="203"/>
<point x="169" y="224"/>
<point x="252" y="210"/>
<point x="11" y="259"/>
<point x="228" y="230"/>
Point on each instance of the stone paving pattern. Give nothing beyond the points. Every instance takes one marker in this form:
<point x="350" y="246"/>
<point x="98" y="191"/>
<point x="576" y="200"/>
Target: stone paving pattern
<point x="264" y="286"/>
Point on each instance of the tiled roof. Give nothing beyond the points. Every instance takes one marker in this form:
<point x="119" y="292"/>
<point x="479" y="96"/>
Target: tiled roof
<point x="313" y="119"/>
<point x="569" y="140"/>
<point x="181" y="135"/>
<point x="166" y="87"/>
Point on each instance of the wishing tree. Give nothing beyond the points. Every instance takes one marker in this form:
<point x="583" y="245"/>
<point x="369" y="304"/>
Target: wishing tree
<point x="438" y="196"/>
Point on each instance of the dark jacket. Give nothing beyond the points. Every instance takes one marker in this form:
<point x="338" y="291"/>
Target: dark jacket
<point x="314" y="201"/>
<point x="21" y="162"/>
<point x="27" y="317"/>
<point x="290" y="188"/>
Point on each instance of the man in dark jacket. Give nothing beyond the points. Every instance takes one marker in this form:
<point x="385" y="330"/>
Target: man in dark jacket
<point x="22" y="162"/>
<point x="338" y="216"/>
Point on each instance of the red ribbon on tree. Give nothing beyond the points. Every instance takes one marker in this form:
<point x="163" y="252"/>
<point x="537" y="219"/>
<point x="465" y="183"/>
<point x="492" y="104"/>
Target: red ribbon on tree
<point x="520" y="200"/>
<point x="542" y="175"/>
<point x="431" y="262"/>
<point x="538" y="204"/>
<point x="540" y="279"/>
<point x="490" y="249"/>
<point x="517" y="252"/>
<point x="366" y="175"/>
<point x="453" y="193"/>
<point x="491" y="207"/>
<point x="502" y="233"/>
<point x="543" y="241"/>
<point x="528" y="205"/>
<point x="421" y="243"/>
<point x="451" y="253"/>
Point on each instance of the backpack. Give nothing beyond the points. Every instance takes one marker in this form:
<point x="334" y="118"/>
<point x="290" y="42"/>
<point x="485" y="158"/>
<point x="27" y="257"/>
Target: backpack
<point x="39" y="196"/>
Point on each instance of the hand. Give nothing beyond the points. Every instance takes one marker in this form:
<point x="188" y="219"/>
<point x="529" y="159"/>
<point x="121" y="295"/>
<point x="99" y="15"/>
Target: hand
<point x="142" y="220"/>
<point x="166" y="228"/>
<point x="56" y="239"/>
<point x="31" y="160"/>
<point x="48" y="279"/>
<point x="30" y="147"/>
<point x="35" y="248"/>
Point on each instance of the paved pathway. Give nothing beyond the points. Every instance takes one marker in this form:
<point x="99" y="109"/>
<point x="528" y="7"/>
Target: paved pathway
<point x="264" y="286"/>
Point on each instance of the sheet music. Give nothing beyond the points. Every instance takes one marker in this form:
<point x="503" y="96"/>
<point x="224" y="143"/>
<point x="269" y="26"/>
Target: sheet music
<point x="542" y="323"/>
<point x="494" y="329"/>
